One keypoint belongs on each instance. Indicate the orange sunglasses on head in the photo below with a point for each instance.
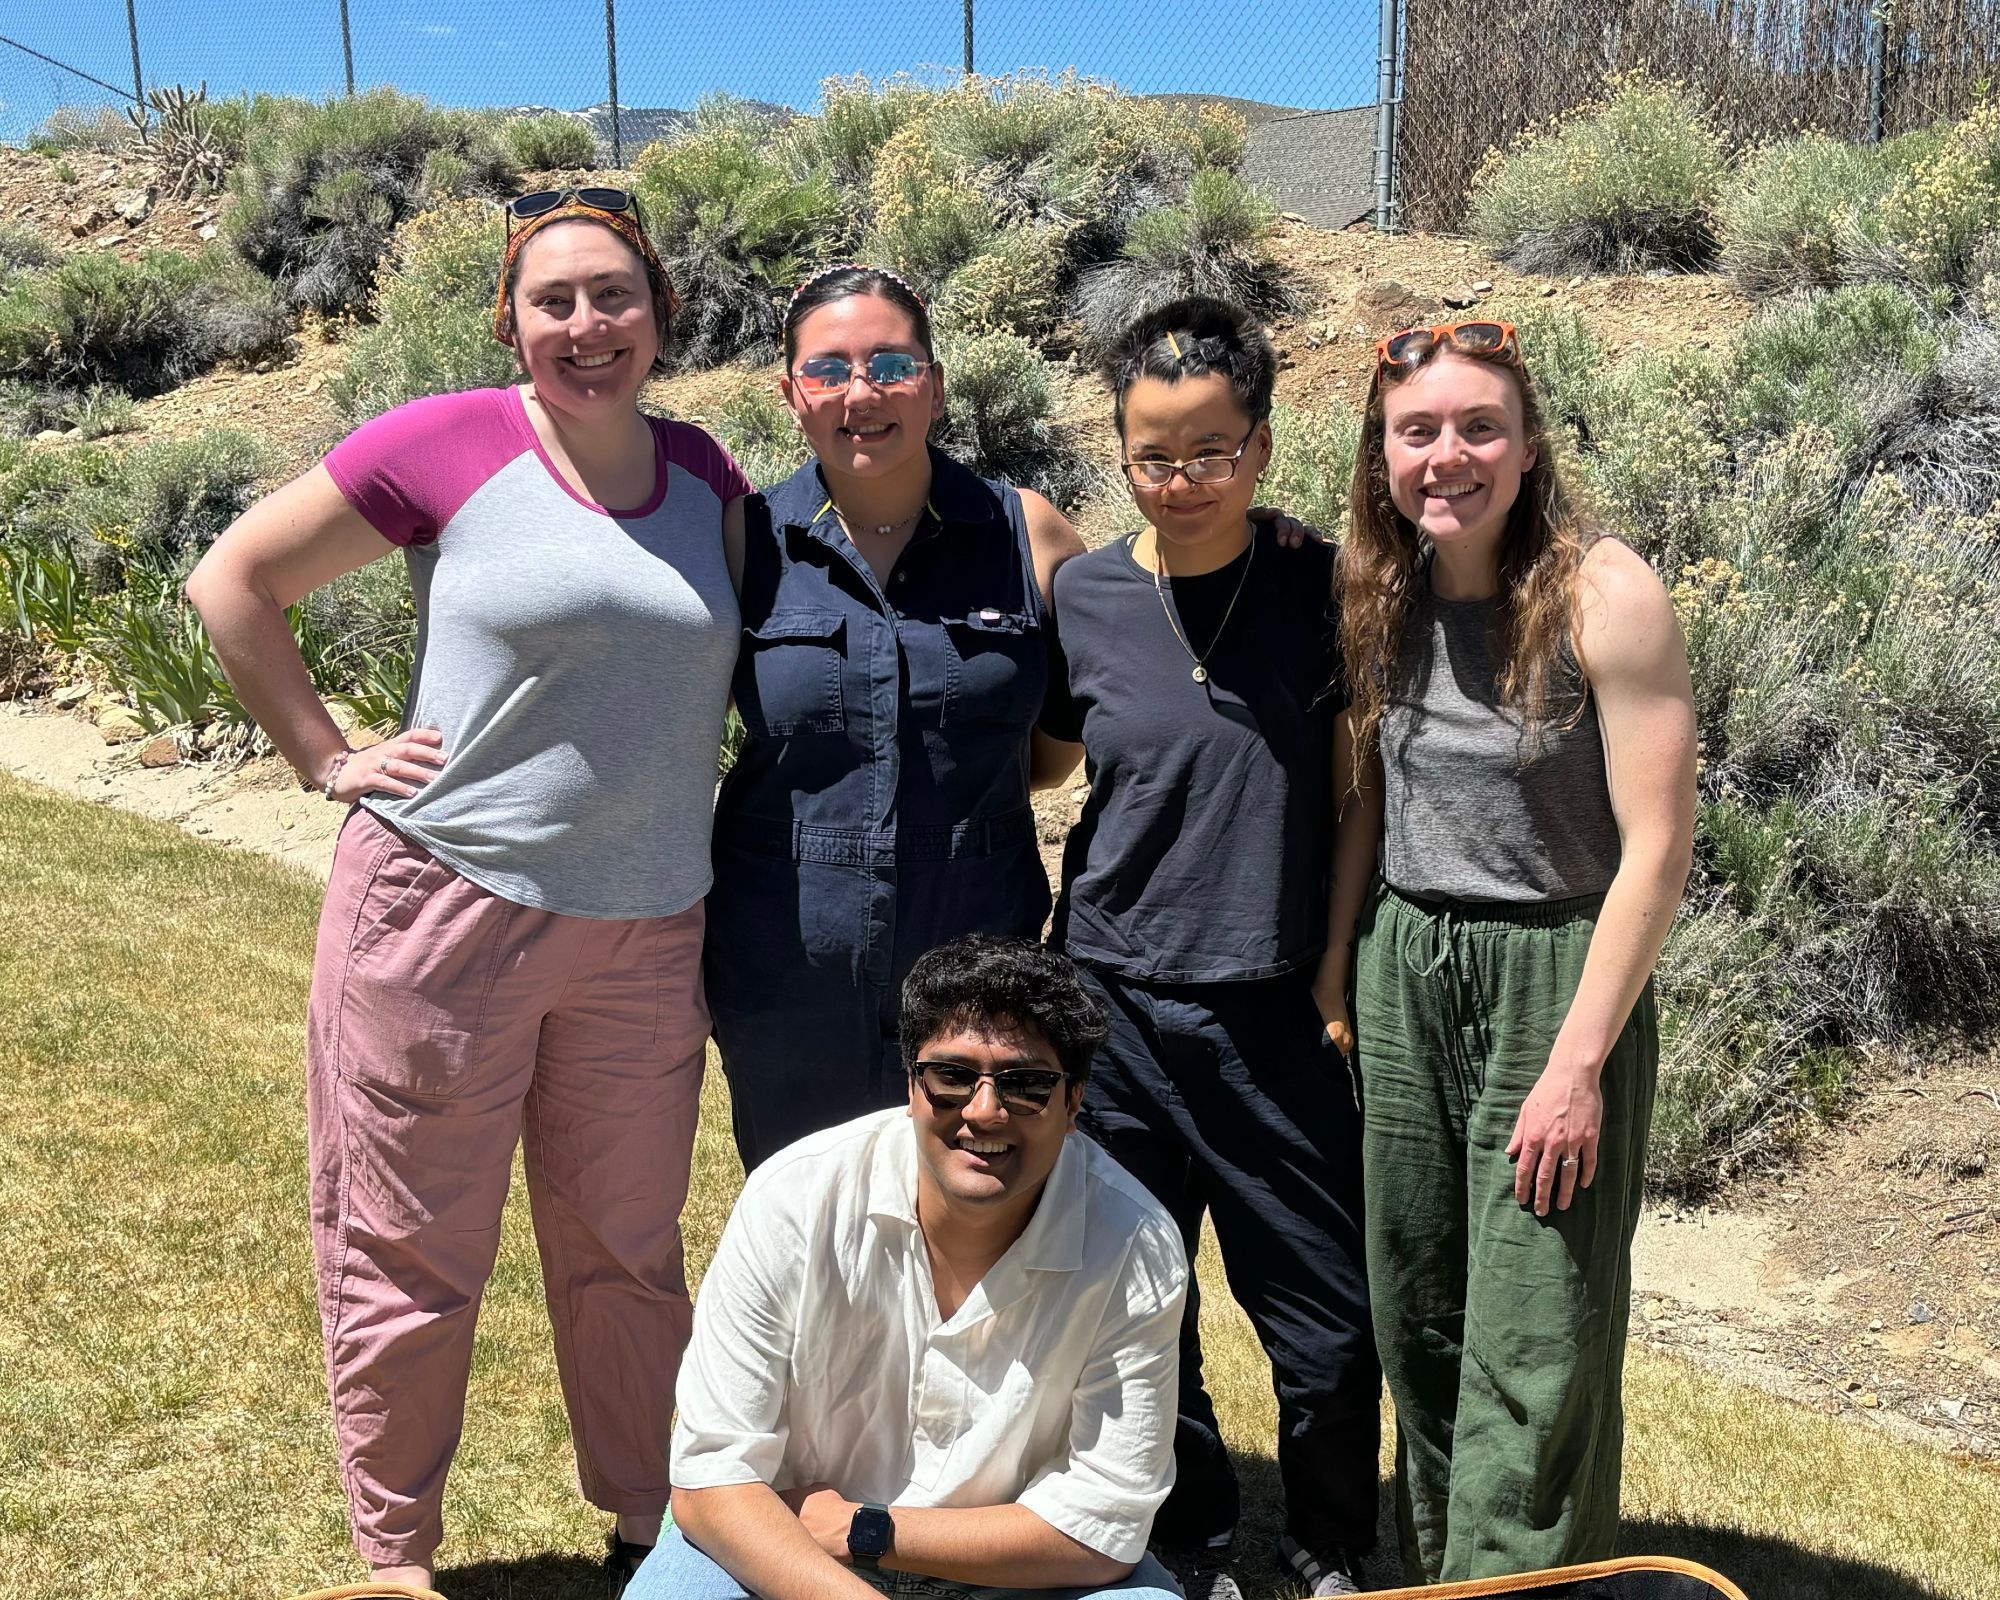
(1413, 345)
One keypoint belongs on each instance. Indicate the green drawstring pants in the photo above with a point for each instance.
(1502, 1334)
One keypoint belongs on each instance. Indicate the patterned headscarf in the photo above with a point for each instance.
(623, 223)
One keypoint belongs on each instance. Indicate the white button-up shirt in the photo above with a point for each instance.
(819, 1357)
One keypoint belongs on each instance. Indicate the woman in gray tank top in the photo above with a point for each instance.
(1525, 742)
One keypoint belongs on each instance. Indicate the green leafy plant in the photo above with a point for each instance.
(999, 403)
(1215, 243)
(1789, 215)
(736, 229)
(549, 140)
(434, 315)
(156, 652)
(321, 187)
(142, 325)
(758, 432)
(1624, 183)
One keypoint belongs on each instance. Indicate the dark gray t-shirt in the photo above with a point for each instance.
(576, 659)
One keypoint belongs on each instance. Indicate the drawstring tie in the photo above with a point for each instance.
(1441, 928)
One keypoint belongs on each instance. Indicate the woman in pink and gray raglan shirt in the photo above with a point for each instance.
(511, 943)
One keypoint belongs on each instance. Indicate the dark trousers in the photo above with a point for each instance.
(1226, 1098)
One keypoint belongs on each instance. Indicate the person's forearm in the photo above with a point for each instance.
(754, 1536)
(1357, 844)
(1051, 761)
(1004, 1547)
(1631, 930)
(254, 644)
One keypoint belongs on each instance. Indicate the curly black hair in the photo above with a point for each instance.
(1190, 338)
(980, 982)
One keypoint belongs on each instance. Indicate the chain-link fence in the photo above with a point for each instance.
(1474, 76)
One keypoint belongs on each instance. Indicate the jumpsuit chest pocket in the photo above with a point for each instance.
(996, 669)
(788, 679)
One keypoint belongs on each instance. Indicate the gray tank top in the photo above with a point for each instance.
(1466, 817)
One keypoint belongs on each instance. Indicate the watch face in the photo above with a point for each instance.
(868, 1534)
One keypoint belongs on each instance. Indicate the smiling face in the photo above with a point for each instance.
(863, 430)
(1455, 440)
(1193, 418)
(983, 1154)
(583, 318)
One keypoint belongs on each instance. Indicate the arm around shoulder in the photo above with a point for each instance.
(1051, 540)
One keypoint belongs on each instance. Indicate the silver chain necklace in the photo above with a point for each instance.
(1200, 673)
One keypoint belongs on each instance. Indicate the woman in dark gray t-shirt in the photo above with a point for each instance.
(1523, 718)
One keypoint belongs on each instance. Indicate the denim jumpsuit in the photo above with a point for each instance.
(879, 806)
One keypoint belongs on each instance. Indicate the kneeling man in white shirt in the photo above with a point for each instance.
(936, 1351)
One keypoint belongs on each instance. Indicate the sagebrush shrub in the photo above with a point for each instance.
(99, 128)
(433, 332)
(27, 409)
(143, 325)
(736, 230)
(321, 187)
(757, 429)
(1009, 287)
(23, 249)
(549, 140)
(1312, 464)
(1000, 396)
(1625, 183)
(1215, 243)
(1790, 213)
(856, 118)
(1938, 220)
(924, 222)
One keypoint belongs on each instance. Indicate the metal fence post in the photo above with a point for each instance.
(968, 38)
(1878, 69)
(132, 27)
(347, 49)
(1385, 122)
(611, 71)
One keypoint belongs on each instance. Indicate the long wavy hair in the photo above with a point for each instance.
(1382, 564)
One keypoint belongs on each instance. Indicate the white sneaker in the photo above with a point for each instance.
(1206, 1572)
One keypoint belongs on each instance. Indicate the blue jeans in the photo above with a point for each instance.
(677, 1571)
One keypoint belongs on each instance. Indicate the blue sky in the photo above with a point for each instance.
(1313, 53)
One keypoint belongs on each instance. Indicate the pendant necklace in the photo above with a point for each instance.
(1200, 673)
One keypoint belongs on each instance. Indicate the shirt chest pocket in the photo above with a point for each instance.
(996, 670)
(788, 680)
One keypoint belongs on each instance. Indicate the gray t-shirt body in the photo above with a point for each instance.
(1469, 814)
(576, 660)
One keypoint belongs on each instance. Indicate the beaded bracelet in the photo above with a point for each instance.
(333, 773)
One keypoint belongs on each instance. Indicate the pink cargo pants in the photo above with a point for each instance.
(446, 1024)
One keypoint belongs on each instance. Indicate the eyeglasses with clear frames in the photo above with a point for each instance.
(1202, 469)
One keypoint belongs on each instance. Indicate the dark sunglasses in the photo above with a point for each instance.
(886, 369)
(950, 1087)
(539, 204)
(1410, 347)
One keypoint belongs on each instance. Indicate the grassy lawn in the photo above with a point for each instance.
(163, 1425)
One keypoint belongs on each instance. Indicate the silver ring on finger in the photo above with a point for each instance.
(1568, 1161)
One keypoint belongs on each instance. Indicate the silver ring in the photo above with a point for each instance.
(1568, 1161)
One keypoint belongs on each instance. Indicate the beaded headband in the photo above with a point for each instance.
(622, 223)
(852, 266)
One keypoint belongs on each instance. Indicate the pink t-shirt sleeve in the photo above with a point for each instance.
(693, 450)
(409, 470)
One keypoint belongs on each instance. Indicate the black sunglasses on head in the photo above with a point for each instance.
(527, 207)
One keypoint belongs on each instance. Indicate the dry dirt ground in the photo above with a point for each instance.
(1866, 1283)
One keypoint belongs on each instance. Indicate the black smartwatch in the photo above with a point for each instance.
(869, 1536)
